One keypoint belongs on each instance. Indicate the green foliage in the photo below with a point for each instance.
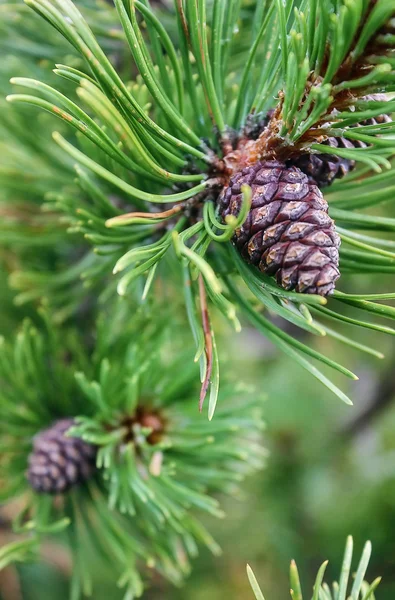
(360, 589)
(170, 125)
(124, 202)
(23, 35)
(336, 49)
(138, 512)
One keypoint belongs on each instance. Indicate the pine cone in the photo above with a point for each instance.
(58, 462)
(385, 118)
(288, 231)
(325, 168)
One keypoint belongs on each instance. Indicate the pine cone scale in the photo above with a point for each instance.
(263, 193)
(264, 216)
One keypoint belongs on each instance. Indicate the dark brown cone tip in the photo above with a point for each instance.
(325, 168)
(58, 462)
(288, 232)
(384, 118)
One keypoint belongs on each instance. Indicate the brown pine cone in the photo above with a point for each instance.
(58, 462)
(325, 168)
(288, 231)
(385, 118)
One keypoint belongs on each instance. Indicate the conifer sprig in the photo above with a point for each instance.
(157, 467)
(333, 57)
(165, 144)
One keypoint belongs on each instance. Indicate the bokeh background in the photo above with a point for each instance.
(331, 469)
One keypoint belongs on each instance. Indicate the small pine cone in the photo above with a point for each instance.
(58, 462)
(385, 118)
(325, 168)
(288, 231)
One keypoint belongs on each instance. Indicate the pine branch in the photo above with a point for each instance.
(157, 468)
(153, 146)
(212, 96)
